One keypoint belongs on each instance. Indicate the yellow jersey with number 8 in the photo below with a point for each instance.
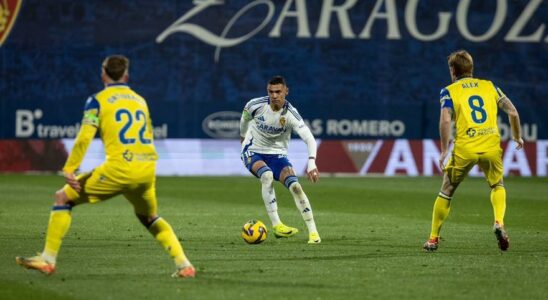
(475, 107)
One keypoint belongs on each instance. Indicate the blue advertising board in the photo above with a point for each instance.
(355, 69)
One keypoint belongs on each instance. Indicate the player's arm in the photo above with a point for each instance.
(446, 112)
(445, 133)
(513, 117)
(244, 123)
(306, 135)
(90, 122)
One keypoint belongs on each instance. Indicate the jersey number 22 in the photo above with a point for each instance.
(139, 117)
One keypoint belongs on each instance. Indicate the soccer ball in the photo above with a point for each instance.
(254, 232)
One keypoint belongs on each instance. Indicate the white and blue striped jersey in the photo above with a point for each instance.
(266, 131)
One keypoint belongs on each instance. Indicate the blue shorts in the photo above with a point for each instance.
(276, 162)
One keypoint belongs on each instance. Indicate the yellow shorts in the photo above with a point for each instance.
(489, 162)
(98, 186)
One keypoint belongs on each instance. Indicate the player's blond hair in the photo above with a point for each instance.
(116, 66)
(461, 63)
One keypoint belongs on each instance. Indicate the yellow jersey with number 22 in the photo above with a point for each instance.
(122, 118)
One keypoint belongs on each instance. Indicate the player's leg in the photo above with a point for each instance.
(491, 165)
(440, 212)
(261, 170)
(256, 165)
(498, 200)
(58, 225)
(143, 199)
(289, 179)
(456, 170)
(261, 165)
(59, 222)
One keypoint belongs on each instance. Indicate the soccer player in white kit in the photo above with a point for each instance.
(265, 130)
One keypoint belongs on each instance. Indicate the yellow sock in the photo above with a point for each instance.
(59, 223)
(162, 231)
(440, 213)
(498, 200)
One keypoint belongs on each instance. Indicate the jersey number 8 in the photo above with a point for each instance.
(477, 109)
(139, 116)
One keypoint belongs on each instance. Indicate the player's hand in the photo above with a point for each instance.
(313, 175)
(519, 143)
(443, 156)
(71, 180)
(312, 171)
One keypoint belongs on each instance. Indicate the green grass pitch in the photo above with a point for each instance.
(372, 231)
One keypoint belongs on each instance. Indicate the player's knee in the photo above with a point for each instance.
(290, 181)
(147, 220)
(448, 191)
(296, 188)
(267, 178)
(448, 188)
(497, 186)
(60, 197)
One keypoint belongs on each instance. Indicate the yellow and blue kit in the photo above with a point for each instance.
(122, 118)
(477, 139)
(475, 106)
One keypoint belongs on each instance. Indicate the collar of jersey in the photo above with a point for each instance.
(117, 84)
(462, 78)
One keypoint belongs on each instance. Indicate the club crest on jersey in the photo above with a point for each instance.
(9, 9)
(282, 121)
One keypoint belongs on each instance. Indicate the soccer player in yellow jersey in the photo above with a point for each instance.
(473, 103)
(122, 118)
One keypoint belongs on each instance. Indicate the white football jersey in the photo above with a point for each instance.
(269, 131)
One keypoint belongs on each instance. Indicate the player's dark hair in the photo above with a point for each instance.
(115, 66)
(277, 80)
(461, 62)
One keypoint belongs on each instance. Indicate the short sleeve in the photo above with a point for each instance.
(296, 121)
(445, 99)
(500, 94)
(91, 112)
(246, 115)
(253, 106)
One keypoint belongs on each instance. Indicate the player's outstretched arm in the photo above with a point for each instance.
(84, 138)
(311, 170)
(513, 117)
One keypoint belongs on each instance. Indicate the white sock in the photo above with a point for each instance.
(184, 264)
(49, 258)
(269, 197)
(303, 205)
